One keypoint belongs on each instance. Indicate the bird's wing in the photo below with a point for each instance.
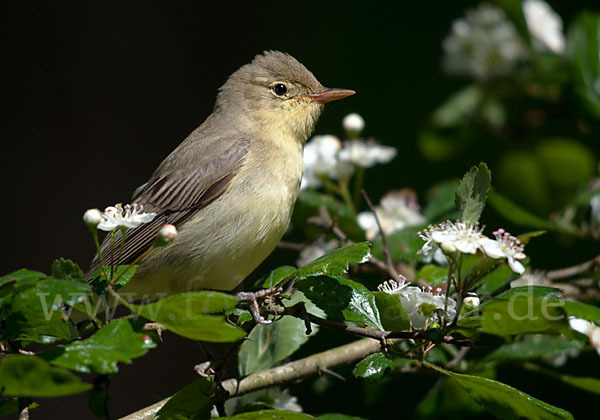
(175, 196)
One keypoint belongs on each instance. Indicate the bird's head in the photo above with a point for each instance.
(275, 91)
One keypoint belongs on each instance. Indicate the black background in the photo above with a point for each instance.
(96, 94)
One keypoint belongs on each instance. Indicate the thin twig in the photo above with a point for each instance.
(386, 249)
(567, 272)
(290, 372)
(459, 356)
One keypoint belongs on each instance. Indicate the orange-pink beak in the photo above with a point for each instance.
(329, 94)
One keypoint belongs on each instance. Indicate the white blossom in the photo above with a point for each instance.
(587, 328)
(505, 246)
(316, 250)
(92, 217)
(484, 44)
(366, 153)
(129, 216)
(321, 158)
(412, 298)
(545, 26)
(471, 301)
(465, 237)
(397, 210)
(353, 124)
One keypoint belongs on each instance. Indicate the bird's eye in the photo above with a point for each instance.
(280, 89)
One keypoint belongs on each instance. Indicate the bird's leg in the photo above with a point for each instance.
(252, 299)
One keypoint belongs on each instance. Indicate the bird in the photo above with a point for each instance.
(230, 186)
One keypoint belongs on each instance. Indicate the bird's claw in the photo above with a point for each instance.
(252, 299)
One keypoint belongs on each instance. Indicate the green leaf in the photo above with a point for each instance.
(537, 346)
(531, 292)
(517, 214)
(502, 400)
(115, 342)
(521, 315)
(583, 43)
(494, 280)
(586, 383)
(433, 274)
(190, 402)
(336, 262)
(403, 244)
(268, 345)
(392, 313)
(471, 193)
(30, 376)
(327, 294)
(36, 310)
(524, 238)
(581, 310)
(124, 273)
(271, 415)
(373, 367)
(184, 314)
(276, 276)
(440, 200)
(67, 270)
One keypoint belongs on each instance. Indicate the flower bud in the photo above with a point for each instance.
(166, 235)
(92, 217)
(471, 301)
(448, 247)
(353, 124)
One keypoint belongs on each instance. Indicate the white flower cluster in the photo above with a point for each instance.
(128, 216)
(418, 302)
(545, 26)
(588, 328)
(397, 210)
(468, 239)
(326, 155)
(484, 44)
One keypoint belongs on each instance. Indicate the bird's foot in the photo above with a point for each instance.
(204, 369)
(253, 297)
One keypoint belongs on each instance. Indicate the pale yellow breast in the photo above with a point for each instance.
(229, 238)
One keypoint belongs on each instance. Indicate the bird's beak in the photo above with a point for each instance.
(329, 94)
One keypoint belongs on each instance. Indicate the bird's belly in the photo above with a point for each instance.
(222, 244)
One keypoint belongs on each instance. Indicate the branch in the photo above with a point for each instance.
(564, 273)
(290, 372)
(299, 311)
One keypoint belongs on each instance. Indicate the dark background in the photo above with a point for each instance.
(98, 93)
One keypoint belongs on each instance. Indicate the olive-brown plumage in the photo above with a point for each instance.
(231, 185)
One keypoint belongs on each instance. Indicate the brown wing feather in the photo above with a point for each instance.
(174, 197)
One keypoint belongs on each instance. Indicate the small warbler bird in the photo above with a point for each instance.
(230, 186)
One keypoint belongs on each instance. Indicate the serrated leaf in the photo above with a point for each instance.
(537, 346)
(531, 292)
(123, 274)
(520, 315)
(373, 367)
(276, 276)
(471, 193)
(336, 262)
(67, 270)
(493, 281)
(337, 416)
(502, 400)
(271, 415)
(392, 313)
(115, 342)
(184, 314)
(31, 376)
(190, 402)
(268, 345)
(327, 294)
(36, 310)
